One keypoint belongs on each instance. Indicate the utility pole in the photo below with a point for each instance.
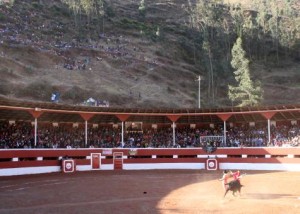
(199, 94)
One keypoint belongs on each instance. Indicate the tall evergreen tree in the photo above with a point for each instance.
(246, 93)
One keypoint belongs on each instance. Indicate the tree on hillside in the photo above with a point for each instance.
(274, 23)
(289, 26)
(91, 8)
(246, 93)
(207, 17)
(207, 48)
(237, 18)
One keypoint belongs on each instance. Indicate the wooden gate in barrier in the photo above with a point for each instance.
(96, 161)
(118, 160)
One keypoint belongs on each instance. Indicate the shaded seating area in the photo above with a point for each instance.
(51, 125)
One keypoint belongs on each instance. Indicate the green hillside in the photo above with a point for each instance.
(147, 54)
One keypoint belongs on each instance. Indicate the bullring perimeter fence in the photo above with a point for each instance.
(34, 161)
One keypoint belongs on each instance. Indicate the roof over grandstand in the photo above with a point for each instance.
(56, 112)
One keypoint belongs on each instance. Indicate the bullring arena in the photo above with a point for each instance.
(147, 180)
(149, 191)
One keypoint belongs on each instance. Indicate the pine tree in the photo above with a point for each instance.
(246, 93)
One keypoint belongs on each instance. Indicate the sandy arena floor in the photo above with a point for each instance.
(149, 191)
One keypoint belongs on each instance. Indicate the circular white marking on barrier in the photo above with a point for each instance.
(68, 166)
(211, 164)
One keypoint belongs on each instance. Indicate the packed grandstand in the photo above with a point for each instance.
(20, 134)
(48, 125)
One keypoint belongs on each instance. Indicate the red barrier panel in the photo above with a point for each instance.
(212, 164)
(68, 166)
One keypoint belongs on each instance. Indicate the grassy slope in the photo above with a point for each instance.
(145, 79)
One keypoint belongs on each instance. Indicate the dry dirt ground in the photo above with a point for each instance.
(149, 191)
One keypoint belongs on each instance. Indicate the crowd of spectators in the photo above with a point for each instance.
(20, 134)
(28, 29)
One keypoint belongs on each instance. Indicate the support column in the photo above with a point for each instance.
(36, 113)
(174, 137)
(268, 116)
(86, 133)
(123, 118)
(86, 117)
(224, 117)
(122, 135)
(269, 131)
(174, 118)
(35, 131)
(224, 143)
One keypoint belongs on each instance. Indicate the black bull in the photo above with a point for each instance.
(233, 186)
